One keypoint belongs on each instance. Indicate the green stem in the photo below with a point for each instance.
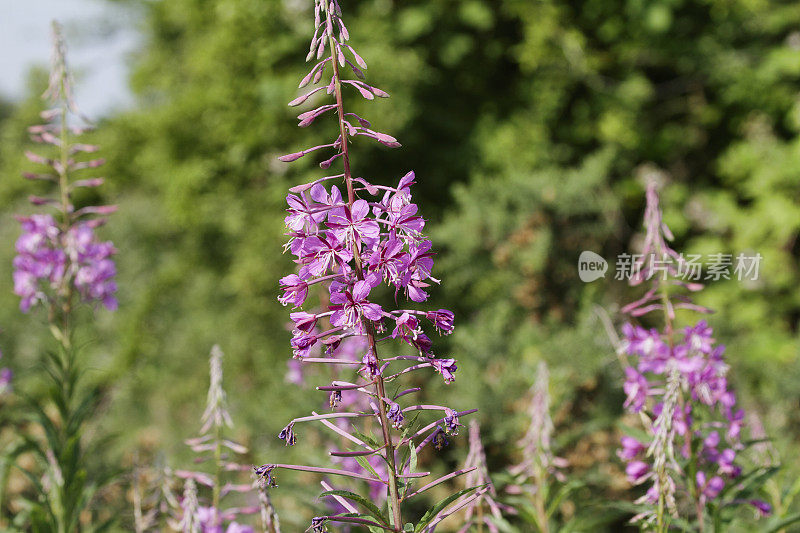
(539, 500)
(216, 491)
(61, 327)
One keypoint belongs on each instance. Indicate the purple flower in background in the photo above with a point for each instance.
(207, 513)
(630, 448)
(636, 388)
(637, 471)
(56, 258)
(6, 375)
(478, 476)
(675, 379)
(49, 262)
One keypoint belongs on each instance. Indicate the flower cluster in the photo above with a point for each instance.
(48, 259)
(701, 374)
(677, 382)
(59, 258)
(352, 247)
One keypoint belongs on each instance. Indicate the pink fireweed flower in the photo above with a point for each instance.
(442, 320)
(57, 258)
(48, 260)
(673, 379)
(295, 290)
(351, 224)
(350, 242)
(351, 306)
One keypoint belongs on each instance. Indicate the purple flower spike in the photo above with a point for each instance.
(676, 379)
(49, 261)
(351, 241)
(61, 256)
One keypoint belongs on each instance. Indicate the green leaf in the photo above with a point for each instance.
(787, 521)
(562, 493)
(371, 508)
(366, 438)
(434, 511)
(365, 464)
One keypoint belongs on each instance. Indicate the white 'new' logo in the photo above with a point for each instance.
(591, 266)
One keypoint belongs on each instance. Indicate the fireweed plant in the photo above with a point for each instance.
(538, 485)
(60, 264)
(675, 379)
(485, 510)
(348, 246)
(193, 512)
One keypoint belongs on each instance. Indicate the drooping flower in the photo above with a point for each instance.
(6, 375)
(446, 367)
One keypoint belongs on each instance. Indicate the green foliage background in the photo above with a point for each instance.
(531, 127)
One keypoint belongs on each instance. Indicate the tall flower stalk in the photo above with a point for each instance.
(195, 514)
(485, 511)
(536, 474)
(676, 380)
(348, 247)
(59, 264)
